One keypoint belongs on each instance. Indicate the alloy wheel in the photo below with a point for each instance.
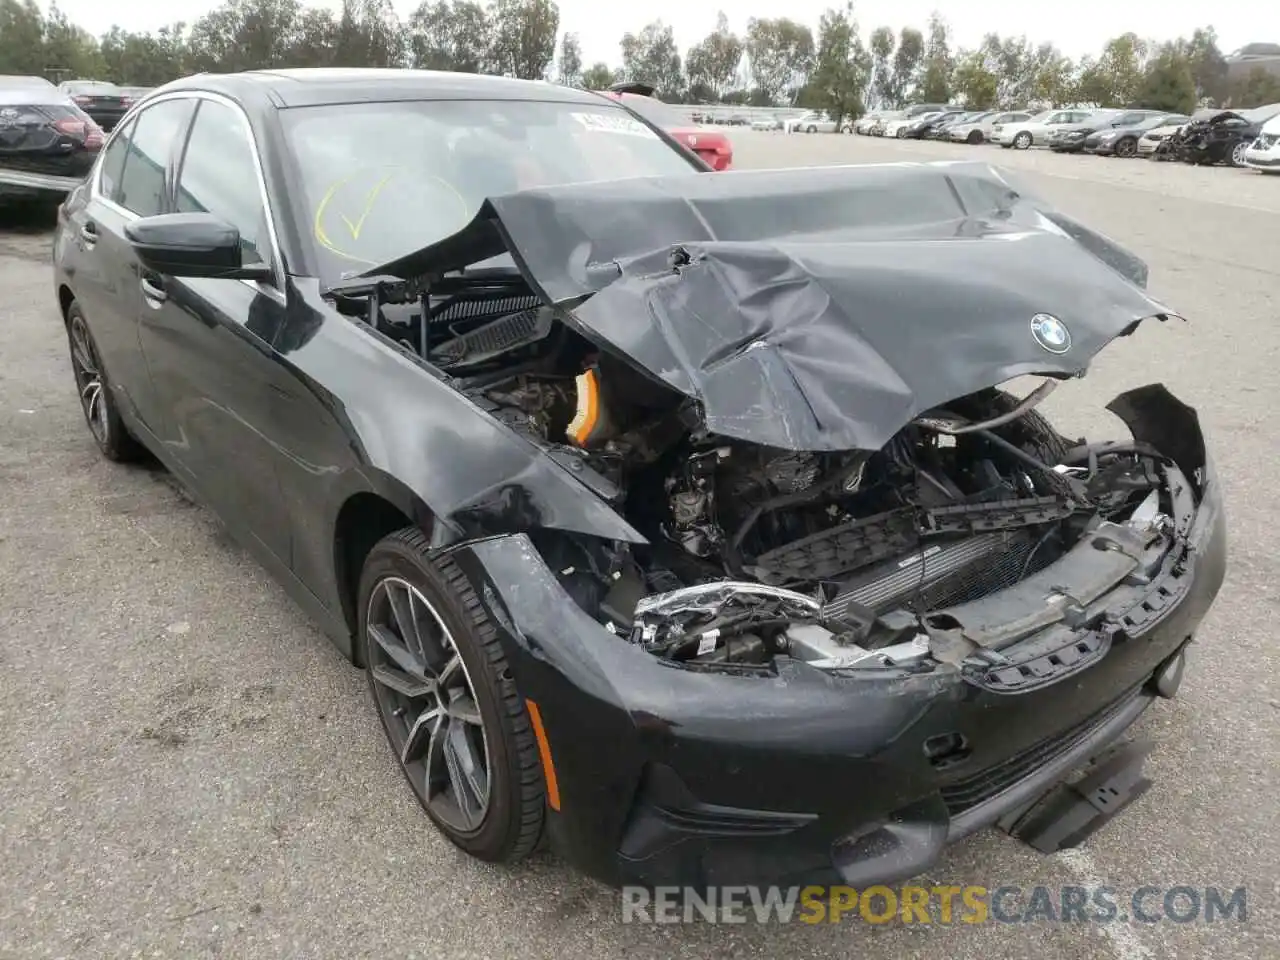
(1022, 141)
(1238, 152)
(1126, 148)
(429, 704)
(88, 373)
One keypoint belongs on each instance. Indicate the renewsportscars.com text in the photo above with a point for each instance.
(935, 905)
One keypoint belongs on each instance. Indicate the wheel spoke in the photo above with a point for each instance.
(464, 708)
(402, 683)
(418, 742)
(467, 778)
(450, 673)
(397, 651)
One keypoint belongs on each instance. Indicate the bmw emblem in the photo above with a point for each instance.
(1051, 333)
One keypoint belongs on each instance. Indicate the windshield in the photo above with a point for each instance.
(381, 180)
(655, 111)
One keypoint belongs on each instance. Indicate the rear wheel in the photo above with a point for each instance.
(447, 701)
(96, 402)
(974, 138)
(811, 129)
(1237, 154)
(1126, 147)
(902, 133)
(1022, 141)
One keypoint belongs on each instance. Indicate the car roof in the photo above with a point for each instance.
(14, 81)
(31, 95)
(317, 86)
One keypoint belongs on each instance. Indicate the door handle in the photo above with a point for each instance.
(152, 291)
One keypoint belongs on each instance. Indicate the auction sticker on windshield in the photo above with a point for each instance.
(606, 123)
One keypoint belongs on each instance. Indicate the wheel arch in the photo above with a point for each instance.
(65, 299)
(364, 518)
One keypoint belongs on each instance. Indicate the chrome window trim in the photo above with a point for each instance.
(95, 182)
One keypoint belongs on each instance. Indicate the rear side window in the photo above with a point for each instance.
(220, 176)
(113, 163)
(155, 134)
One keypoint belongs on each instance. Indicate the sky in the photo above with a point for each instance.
(1077, 27)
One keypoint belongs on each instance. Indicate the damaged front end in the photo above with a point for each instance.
(862, 571)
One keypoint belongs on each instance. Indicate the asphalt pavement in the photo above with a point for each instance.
(189, 769)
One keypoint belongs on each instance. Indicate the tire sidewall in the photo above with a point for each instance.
(500, 826)
(113, 445)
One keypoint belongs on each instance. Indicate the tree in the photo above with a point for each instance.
(1054, 83)
(781, 55)
(1255, 90)
(1168, 83)
(449, 36)
(70, 48)
(569, 68)
(651, 57)
(935, 84)
(369, 35)
(882, 44)
(315, 39)
(244, 35)
(524, 37)
(906, 65)
(712, 62)
(1113, 79)
(842, 68)
(1207, 64)
(974, 81)
(21, 38)
(598, 76)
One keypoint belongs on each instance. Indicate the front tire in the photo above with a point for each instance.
(974, 138)
(448, 704)
(1238, 152)
(1022, 141)
(902, 133)
(1127, 147)
(96, 401)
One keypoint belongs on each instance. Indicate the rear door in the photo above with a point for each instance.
(207, 342)
(130, 182)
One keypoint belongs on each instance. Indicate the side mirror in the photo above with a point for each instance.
(192, 245)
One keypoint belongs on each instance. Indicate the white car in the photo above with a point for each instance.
(1027, 133)
(1264, 153)
(766, 123)
(1152, 139)
(898, 127)
(811, 122)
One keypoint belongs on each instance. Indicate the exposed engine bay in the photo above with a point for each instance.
(835, 558)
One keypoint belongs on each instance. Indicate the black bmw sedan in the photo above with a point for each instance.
(668, 529)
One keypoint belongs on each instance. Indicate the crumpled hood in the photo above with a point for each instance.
(818, 308)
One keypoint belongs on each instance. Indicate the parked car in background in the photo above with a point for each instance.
(1154, 144)
(1121, 140)
(766, 123)
(902, 126)
(876, 129)
(1023, 135)
(104, 101)
(923, 128)
(1224, 137)
(865, 122)
(980, 128)
(942, 131)
(711, 145)
(812, 122)
(1070, 137)
(12, 80)
(43, 132)
(916, 109)
(136, 93)
(1264, 153)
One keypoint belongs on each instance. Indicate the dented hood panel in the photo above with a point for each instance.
(820, 308)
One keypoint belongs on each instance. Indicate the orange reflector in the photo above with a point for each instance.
(544, 751)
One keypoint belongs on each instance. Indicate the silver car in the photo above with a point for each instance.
(981, 130)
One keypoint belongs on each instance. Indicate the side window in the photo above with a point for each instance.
(113, 163)
(220, 176)
(155, 133)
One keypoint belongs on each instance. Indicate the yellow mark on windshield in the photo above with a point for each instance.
(369, 199)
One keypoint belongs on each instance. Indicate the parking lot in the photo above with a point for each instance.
(188, 768)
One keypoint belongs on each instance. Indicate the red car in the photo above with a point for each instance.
(711, 145)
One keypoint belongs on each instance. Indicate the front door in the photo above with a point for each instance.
(207, 342)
